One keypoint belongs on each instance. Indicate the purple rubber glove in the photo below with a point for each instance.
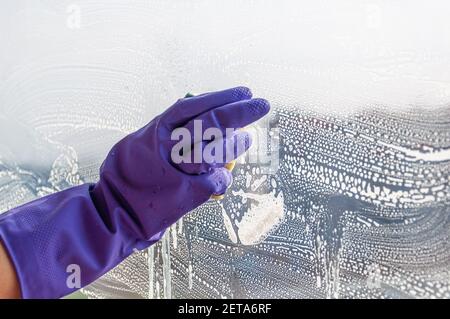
(141, 192)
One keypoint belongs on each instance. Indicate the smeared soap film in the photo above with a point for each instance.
(358, 208)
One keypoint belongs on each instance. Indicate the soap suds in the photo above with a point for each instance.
(261, 218)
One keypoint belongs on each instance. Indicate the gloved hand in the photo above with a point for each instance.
(141, 191)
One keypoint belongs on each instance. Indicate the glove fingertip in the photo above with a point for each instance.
(220, 179)
(260, 106)
(242, 93)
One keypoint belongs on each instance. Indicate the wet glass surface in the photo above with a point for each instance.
(356, 203)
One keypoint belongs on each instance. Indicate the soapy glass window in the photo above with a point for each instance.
(353, 198)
